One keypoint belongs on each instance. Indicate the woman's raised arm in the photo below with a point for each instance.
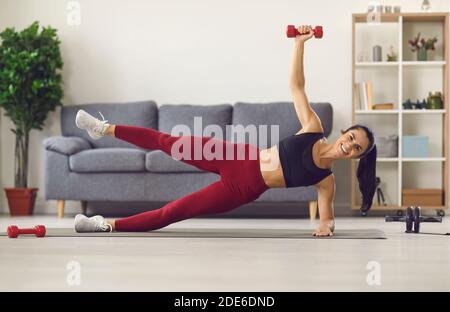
(306, 115)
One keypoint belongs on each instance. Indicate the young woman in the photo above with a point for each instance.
(303, 159)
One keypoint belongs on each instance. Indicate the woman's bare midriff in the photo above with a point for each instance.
(270, 165)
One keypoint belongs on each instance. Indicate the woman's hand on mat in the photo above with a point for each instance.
(307, 32)
(324, 229)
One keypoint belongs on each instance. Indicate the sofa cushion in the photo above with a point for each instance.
(66, 145)
(279, 113)
(158, 161)
(170, 116)
(108, 160)
(143, 114)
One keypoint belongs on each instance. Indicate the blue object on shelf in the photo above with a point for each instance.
(415, 146)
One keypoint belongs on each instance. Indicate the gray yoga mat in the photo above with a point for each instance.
(223, 233)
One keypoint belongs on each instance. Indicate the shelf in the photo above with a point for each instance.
(376, 111)
(424, 17)
(387, 207)
(429, 207)
(395, 207)
(423, 64)
(387, 159)
(422, 111)
(384, 17)
(407, 17)
(425, 159)
(409, 159)
(404, 63)
(376, 64)
(403, 111)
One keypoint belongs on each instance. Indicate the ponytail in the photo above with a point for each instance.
(366, 174)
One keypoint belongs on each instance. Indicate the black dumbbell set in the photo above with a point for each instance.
(413, 219)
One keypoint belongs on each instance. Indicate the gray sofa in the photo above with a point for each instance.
(79, 168)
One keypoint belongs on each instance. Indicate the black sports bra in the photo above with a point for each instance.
(297, 161)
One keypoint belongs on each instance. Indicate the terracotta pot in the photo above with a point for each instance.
(21, 200)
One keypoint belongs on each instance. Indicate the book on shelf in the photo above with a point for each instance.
(356, 96)
(369, 94)
(360, 96)
(383, 106)
(364, 95)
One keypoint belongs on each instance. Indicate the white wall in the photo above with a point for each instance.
(197, 52)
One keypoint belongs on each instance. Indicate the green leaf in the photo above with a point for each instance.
(35, 85)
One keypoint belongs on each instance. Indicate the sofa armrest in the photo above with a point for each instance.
(66, 145)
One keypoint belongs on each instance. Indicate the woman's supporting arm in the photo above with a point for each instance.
(326, 190)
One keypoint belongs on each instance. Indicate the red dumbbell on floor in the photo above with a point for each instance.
(292, 31)
(14, 231)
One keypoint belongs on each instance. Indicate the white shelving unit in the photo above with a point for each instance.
(397, 70)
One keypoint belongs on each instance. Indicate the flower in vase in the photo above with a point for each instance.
(418, 43)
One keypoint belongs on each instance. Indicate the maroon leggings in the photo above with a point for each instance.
(238, 166)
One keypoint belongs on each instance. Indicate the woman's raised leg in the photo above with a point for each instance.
(189, 149)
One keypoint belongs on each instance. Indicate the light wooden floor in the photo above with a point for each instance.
(406, 262)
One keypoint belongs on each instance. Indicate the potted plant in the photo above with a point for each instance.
(30, 87)
(421, 46)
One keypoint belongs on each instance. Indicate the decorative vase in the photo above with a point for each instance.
(376, 53)
(21, 200)
(435, 100)
(421, 55)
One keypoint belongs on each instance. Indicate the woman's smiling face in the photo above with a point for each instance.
(351, 144)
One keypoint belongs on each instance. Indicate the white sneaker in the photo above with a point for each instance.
(95, 127)
(93, 224)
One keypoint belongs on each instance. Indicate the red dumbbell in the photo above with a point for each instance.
(14, 231)
(292, 31)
